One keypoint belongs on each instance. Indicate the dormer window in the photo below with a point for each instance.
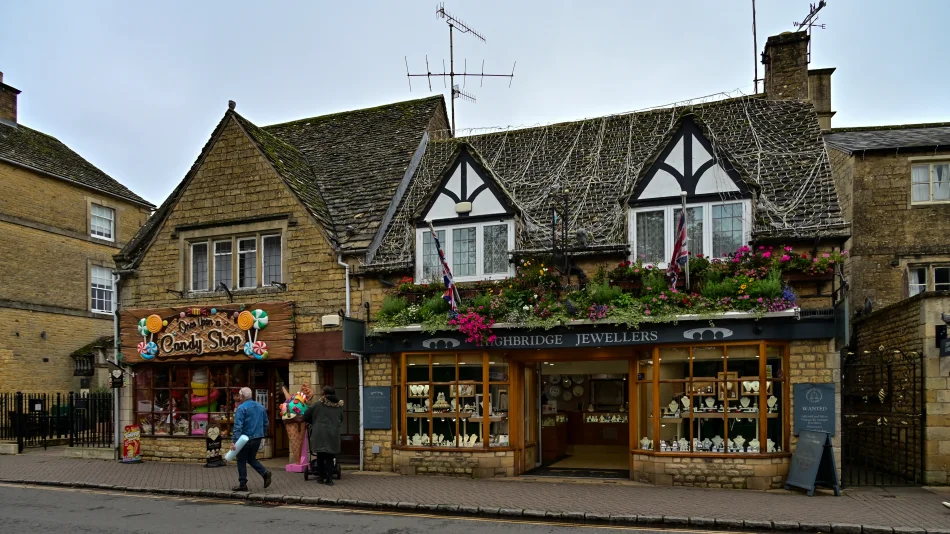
(474, 252)
(474, 222)
(718, 204)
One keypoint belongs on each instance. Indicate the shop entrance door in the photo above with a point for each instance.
(579, 412)
(344, 377)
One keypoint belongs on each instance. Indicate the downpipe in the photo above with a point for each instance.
(116, 281)
(359, 358)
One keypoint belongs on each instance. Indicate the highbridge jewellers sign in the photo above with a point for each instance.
(588, 336)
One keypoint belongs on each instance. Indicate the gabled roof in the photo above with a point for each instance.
(37, 151)
(870, 138)
(775, 146)
(344, 168)
(358, 159)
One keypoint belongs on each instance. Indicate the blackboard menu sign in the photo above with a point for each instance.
(213, 447)
(815, 408)
(377, 408)
(813, 463)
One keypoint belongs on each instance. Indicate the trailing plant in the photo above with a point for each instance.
(476, 328)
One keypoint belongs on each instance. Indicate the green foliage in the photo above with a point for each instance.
(392, 306)
(654, 282)
(434, 306)
(717, 289)
(769, 287)
(603, 293)
(482, 301)
(623, 300)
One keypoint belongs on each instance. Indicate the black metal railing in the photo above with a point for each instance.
(36, 419)
(91, 418)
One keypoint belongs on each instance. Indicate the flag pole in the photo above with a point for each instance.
(686, 242)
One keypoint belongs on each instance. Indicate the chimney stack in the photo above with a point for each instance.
(819, 92)
(787, 76)
(786, 66)
(8, 96)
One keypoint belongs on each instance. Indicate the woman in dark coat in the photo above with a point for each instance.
(325, 417)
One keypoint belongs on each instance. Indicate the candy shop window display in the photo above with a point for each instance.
(713, 399)
(183, 400)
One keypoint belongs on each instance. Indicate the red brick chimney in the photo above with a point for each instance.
(8, 97)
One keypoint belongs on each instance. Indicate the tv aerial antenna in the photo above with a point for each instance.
(811, 21)
(457, 92)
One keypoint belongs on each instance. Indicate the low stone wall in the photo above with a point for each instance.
(487, 464)
(737, 473)
(184, 450)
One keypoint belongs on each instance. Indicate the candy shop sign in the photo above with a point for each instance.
(199, 331)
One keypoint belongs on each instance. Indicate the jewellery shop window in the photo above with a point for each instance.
(454, 401)
(180, 400)
(715, 399)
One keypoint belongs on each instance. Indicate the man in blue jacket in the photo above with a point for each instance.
(250, 419)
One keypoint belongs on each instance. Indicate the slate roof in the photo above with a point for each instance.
(890, 137)
(29, 148)
(343, 167)
(775, 145)
(359, 158)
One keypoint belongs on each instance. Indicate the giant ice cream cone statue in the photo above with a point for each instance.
(291, 412)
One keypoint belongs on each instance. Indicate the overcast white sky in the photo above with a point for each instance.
(137, 88)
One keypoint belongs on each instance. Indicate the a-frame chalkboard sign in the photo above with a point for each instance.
(813, 463)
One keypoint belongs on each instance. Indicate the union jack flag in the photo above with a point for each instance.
(451, 293)
(680, 251)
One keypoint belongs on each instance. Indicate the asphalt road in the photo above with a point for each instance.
(26, 509)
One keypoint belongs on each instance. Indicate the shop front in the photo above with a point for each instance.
(690, 403)
(189, 364)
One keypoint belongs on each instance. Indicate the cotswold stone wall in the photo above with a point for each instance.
(377, 371)
(736, 473)
(815, 362)
(169, 449)
(487, 464)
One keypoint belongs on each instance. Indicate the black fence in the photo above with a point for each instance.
(37, 419)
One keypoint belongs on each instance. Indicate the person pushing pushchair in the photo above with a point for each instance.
(325, 417)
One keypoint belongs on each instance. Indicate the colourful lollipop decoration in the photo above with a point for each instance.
(143, 329)
(249, 349)
(260, 350)
(148, 327)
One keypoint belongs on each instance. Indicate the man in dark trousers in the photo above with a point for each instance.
(250, 419)
(325, 417)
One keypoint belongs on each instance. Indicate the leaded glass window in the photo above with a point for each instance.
(431, 267)
(496, 249)
(727, 234)
(464, 251)
(650, 236)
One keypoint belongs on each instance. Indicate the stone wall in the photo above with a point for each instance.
(236, 183)
(888, 233)
(487, 464)
(168, 449)
(815, 362)
(735, 473)
(23, 348)
(910, 326)
(377, 371)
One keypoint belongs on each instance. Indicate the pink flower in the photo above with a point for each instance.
(761, 247)
(767, 255)
(826, 255)
(646, 312)
(786, 258)
(788, 249)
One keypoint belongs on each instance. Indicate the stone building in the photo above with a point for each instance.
(62, 219)
(894, 186)
(301, 222)
(268, 218)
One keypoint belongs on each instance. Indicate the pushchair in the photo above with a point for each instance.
(311, 467)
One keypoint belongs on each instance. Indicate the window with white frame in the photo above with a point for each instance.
(247, 263)
(712, 229)
(102, 222)
(101, 289)
(199, 266)
(271, 262)
(930, 182)
(223, 264)
(475, 251)
(234, 261)
(921, 278)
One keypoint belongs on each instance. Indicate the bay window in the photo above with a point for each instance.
(712, 229)
(475, 251)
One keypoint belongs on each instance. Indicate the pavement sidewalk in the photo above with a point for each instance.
(857, 511)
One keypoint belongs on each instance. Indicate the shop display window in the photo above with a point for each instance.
(184, 400)
(713, 399)
(454, 401)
